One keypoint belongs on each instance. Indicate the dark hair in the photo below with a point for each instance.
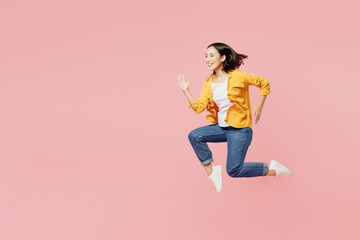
(233, 59)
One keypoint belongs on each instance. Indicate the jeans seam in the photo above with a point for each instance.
(246, 140)
(243, 146)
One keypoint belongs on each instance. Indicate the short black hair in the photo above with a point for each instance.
(233, 59)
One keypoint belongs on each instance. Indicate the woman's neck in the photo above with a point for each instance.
(220, 74)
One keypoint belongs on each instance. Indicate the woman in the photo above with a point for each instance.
(225, 94)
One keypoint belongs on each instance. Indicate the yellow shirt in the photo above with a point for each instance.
(239, 114)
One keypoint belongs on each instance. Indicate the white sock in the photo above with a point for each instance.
(215, 177)
(279, 169)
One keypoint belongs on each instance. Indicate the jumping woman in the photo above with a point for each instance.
(225, 94)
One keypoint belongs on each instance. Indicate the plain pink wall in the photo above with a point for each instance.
(94, 126)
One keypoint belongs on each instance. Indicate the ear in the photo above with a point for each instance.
(223, 57)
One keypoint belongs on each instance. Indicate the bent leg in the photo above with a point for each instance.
(239, 140)
(198, 138)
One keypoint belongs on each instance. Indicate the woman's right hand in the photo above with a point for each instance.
(183, 84)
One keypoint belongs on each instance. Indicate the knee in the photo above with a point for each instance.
(231, 172)
(235, 172)
(192, 136)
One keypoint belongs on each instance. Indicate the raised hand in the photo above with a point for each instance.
(183, 84)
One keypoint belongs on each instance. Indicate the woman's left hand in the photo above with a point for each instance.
(257, 113)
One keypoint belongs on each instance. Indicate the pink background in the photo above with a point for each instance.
(94, 126)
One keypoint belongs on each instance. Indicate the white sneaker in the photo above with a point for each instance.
(280, 169)
(215, 177)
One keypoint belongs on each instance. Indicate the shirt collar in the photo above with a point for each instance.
(230, 74)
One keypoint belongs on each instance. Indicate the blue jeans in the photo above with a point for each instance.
(238, 141)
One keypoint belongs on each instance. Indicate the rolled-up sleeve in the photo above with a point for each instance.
(199, 105)
(259, 82)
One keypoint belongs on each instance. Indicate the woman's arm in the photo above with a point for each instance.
(258, 109)
(259, 82)
(264, 86)
(189, 97)
(197, 105)
(262, 100)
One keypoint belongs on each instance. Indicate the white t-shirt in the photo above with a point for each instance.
(222, 101)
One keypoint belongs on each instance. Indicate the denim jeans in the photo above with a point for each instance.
(238, 141)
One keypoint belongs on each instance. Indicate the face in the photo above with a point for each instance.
(213, 59)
